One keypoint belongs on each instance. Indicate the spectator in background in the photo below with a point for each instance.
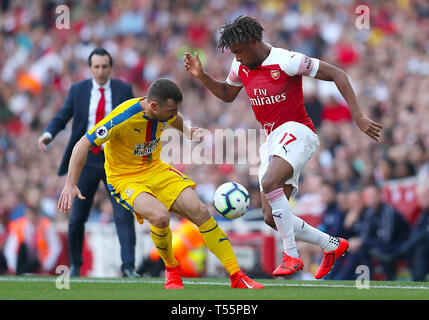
(346, 177)
(106, 212)
(384, 229)
(418, 243)
(352, 224)
(334, 111)
(333, 216)
(3, 236)
(33, 245)
(312, 102)
(353, 228)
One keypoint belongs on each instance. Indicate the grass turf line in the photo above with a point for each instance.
(36, 287)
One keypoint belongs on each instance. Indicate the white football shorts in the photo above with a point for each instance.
(294, 142)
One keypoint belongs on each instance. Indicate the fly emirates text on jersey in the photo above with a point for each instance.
(261, 98)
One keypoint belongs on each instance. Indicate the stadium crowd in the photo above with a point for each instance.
(388, 66)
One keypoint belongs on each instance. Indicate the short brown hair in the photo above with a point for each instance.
(163, 89)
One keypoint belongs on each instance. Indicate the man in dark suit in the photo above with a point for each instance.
(88, 102)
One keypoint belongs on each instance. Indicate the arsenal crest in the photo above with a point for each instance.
(275, 74)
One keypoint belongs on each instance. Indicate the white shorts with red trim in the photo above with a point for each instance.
(295, 143)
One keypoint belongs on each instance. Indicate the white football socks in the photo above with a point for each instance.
(307, 233)
(292, 227)
(283, 219)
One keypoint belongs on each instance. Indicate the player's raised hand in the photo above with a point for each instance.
(370, 127)
(193, 64)
(197, 134)
(67, 196)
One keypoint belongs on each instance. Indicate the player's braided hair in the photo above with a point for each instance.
(243, 29)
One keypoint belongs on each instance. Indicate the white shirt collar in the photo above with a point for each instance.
(271, 50)
(105, 86)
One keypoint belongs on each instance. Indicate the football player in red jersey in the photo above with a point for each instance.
(272, 78)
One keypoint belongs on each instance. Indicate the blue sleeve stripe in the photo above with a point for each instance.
(124, 115)
(121, 117)
(91, 139)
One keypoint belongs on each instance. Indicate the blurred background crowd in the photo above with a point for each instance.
(388, 66)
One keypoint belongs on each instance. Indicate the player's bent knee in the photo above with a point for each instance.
(199, 214)
(203, 209)
(160, 219)
(202, 215)
(270, 183)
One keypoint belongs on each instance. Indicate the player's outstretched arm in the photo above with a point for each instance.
(192, 133)
(77, 161)
(220, 89)
(329, 72)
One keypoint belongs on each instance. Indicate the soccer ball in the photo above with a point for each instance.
(231, 200)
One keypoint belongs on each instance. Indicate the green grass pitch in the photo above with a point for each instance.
(44, 288)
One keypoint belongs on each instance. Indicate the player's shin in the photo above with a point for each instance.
(163, 241)
(217, 242)
(307, 233)
(283, 219)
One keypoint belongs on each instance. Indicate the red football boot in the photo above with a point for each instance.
(288, 266)
(240, 281)
(330, 257)
(172, 278)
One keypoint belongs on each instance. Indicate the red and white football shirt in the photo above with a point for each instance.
(275, 87)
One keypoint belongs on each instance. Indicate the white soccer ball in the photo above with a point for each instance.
(231, 200)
